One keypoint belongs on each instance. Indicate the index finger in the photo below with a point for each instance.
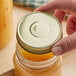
(47, 7)
(57, 4)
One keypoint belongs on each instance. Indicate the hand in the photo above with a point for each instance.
(61, 8)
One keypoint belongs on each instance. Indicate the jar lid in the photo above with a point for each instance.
(37, 32)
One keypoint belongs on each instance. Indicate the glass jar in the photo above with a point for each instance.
(36, 33)
(5, 22)
(35, 66)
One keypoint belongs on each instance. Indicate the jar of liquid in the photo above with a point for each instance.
(5, 22)
(36, 34)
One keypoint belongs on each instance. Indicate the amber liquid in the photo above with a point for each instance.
(5, 22)
(36, 57)
(52, 70)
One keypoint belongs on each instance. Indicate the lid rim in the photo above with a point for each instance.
(36, 50)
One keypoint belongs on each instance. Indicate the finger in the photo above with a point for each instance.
(67, 12)
(71, 24)
(65, 45)
(57, 4)
(59, 14)
(47, 7)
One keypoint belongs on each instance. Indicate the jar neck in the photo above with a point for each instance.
(42, 65)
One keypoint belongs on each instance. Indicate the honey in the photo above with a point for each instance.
(5, 22)
(36, 57)
(38, 66)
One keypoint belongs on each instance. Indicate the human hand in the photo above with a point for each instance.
(62, 7)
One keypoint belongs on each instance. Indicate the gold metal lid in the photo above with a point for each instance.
(37, 32)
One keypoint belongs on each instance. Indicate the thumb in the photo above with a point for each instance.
(65, 45)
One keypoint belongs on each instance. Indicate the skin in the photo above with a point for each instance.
(62, 7)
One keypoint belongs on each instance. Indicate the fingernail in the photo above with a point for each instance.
(57, 50)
